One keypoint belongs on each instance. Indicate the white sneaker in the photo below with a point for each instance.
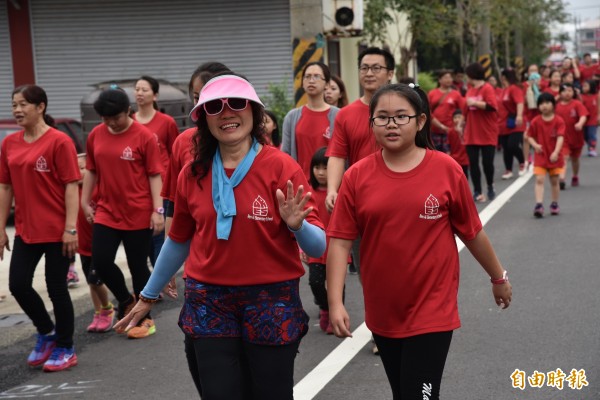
(523, 169)
(507, 175)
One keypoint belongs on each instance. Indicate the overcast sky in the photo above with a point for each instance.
(583, 9)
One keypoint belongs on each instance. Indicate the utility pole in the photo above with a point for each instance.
(484, 45)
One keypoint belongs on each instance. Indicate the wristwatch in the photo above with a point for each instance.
(71, 231)
(159, 210)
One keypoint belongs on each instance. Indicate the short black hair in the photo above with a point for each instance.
(390, 64)
(475, 71)
(546, 97)
(564, 86)
(112, 102)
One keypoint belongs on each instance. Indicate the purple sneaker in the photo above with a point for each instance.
(554, 208)
(44, 346)
(538, 211)
(60, 359)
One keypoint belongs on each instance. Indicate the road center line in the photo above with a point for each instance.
(335, 361)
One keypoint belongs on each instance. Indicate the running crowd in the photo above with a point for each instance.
(333, 182)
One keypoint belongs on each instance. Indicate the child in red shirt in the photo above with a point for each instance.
(411, 196)
(546, 136)
(591, 101)
(457, 145)
(575, 115)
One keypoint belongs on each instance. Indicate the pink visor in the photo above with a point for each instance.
(224, 87)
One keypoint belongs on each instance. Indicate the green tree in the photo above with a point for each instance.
(430, 21)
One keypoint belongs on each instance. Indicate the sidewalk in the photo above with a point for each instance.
(9, 306)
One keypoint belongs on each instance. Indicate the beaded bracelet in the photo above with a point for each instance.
(147, 300)
(500, 281)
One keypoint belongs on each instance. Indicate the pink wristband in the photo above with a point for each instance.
(500, 281)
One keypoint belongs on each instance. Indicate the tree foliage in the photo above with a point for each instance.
(444, 28)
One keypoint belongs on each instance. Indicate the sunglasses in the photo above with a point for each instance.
(215, 107)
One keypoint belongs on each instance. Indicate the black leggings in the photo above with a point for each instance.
(487, 159)
(105, 243)
(414, 365)
(317, 276)
(24, 260)
(512, 148)
(231, 369)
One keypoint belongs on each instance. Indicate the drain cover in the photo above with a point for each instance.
(8, 320)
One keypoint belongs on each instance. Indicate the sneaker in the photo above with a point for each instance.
(123, 310)
(106, 320)
(554, 208)
(72, 277)
(323, 320)
(60, 359)
(93, 327)
(562, 185)
(491, 192)
(522, 169)
(144, 329)
(479, 198)
(507, 175)
(575, 181)
(43, 348)
(538, 211)
(592, 153)
(352, 269)
(329, 329)
(375, 350)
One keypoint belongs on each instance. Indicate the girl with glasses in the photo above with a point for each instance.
(241, 211)
(309, 127)
(406, 201)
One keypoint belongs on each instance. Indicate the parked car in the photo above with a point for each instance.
(69, 126)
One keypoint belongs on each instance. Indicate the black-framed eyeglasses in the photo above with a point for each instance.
(398, 120)
(315, 77)
(215, 107)
(375, 68)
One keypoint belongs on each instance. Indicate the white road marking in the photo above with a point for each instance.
(335, 361)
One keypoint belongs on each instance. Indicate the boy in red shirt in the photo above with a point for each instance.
(546, 136)
(457, 145)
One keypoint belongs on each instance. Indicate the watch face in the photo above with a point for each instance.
(160, 210)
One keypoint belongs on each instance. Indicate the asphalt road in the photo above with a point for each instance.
(553, 323)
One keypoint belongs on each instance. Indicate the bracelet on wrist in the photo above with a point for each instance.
(500, 281)
(147, 300)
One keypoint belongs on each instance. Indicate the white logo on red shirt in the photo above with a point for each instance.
(41, 165)
(260, 210)
(128, 154)
(327, 134)
(432, 208)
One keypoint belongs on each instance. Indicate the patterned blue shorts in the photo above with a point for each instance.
(270, 314)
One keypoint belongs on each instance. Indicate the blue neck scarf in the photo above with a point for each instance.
(222, 189)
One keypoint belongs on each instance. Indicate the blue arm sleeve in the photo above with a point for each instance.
(171, 257)
(311, 239)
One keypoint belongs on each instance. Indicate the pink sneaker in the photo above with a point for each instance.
(323, 320)
(93, 327)
(105, 320)
(329, 329)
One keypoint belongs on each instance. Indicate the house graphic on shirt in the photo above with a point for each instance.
(260, 207)
(432, 205)
(41, 165)
(127, 154)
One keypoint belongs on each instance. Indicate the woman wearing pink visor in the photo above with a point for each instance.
(240, 213)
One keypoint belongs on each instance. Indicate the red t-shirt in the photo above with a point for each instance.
(319, 194)
(544, 83)
(482, 126)
(555, 93)
(458, 150)
(511, 97)
(38, 173)
(260, 249)
(123, 163)
(409, 260)
(588, 72)
(352, 138)
(312, 133)
(84, 228)
(590, 102)
(546, 133)
(181, 154)
(502, 112)
(444, 110)
(570, 113)
(165, 131)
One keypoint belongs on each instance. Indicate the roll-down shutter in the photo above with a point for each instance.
(77, 43)
(6, 71)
